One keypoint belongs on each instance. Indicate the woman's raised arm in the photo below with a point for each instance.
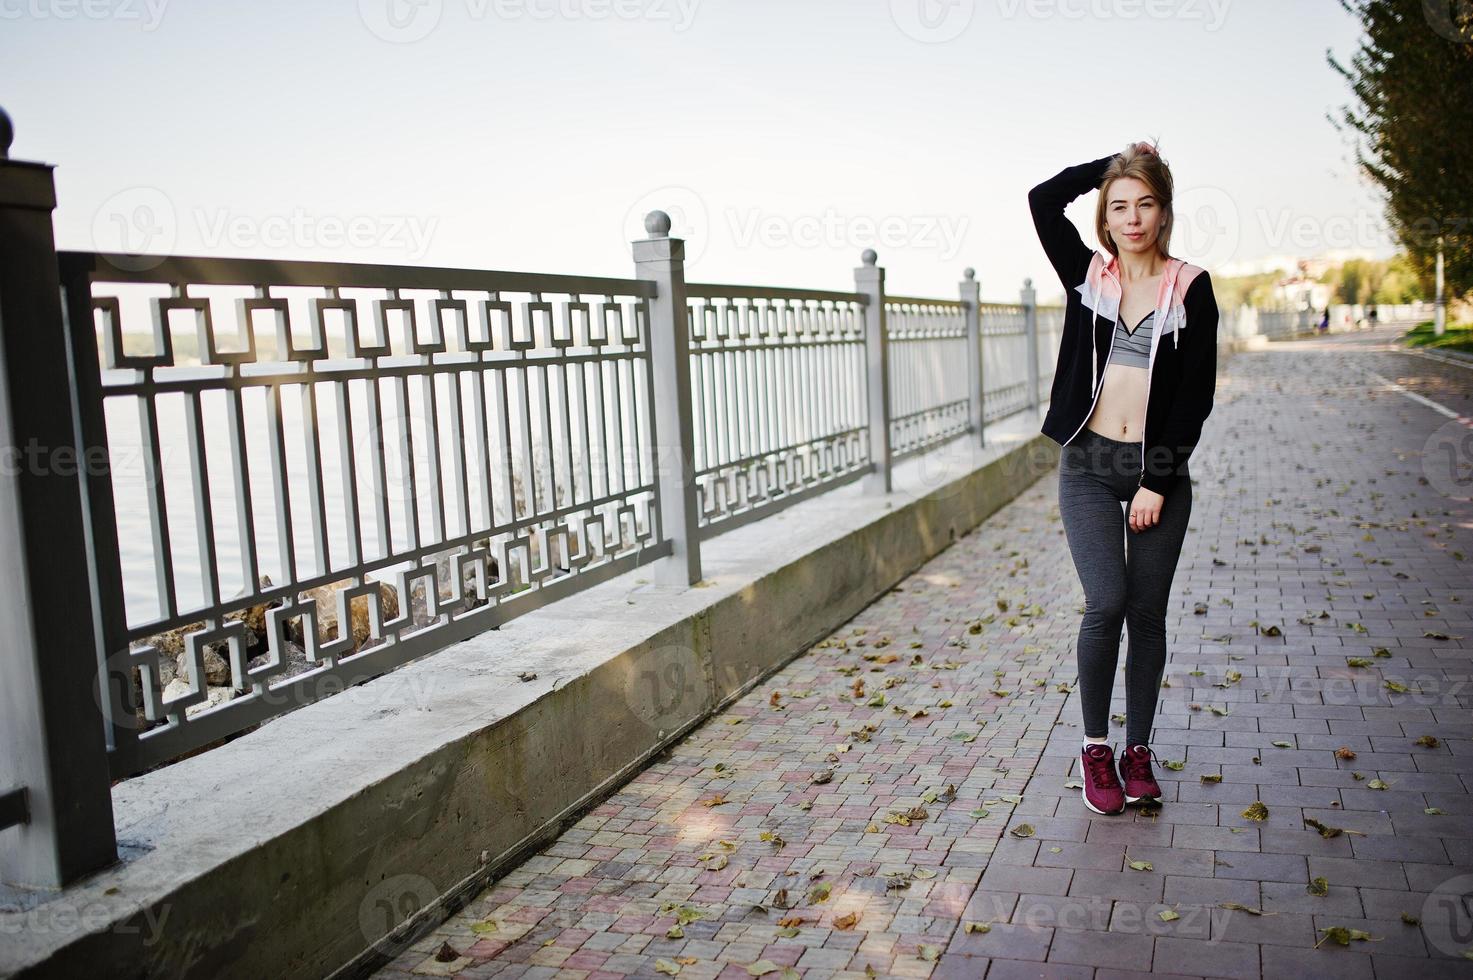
(1061, 242)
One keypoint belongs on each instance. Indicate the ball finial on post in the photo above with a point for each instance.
(869, 257)
(969, 273)
(657, 224)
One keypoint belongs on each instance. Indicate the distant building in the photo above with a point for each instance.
(1296, 292)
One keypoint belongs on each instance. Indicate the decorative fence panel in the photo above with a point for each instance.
(929, 387)
(1050, 320)
(1005, 369)
(422, 453)
(778, 398)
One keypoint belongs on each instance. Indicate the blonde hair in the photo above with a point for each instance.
(1151, 170)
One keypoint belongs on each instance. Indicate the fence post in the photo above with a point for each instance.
(869, 279)
(972, 310)
(1030, 319)
(661, 259)
(56, 818)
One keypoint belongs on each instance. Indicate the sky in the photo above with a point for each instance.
(783, 136)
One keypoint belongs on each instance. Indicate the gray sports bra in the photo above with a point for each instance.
(1133, 348)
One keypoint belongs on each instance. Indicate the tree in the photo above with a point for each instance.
(1412, 126)
(1353, 281)
(1400, 285)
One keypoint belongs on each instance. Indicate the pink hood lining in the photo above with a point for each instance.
(1101, 292)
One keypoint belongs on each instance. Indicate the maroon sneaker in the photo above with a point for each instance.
(1135, 770)
(1101, 791)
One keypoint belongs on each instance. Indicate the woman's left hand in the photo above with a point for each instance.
(1145, 509)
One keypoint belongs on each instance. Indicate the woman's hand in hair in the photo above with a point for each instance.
(1145, 509)
(1144, 147)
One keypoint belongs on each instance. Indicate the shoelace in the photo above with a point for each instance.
(1101, 769)
(1138, 766)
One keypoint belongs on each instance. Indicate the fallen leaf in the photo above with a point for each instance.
(1325, 832)
(1243, 908)
(1342, 935)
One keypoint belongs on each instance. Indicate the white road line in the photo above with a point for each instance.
(1421, 400)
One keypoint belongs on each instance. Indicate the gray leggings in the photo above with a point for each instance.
(1097, 481)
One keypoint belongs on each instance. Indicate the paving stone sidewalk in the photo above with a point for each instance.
(902, 800)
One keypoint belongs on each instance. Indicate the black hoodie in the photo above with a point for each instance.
(1181, 374)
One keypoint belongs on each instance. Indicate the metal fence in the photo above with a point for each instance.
(479, 441)
(290, 477)
(778, 395)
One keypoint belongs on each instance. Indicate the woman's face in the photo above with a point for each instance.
(1132, 215)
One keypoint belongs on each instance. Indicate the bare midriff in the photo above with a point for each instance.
(1121, 405)
(1120, 408)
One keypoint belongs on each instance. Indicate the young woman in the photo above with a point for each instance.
(1133, 384)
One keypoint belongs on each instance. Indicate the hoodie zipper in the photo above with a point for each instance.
(1146, 408)
(1151, 362)
(1096, 395)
